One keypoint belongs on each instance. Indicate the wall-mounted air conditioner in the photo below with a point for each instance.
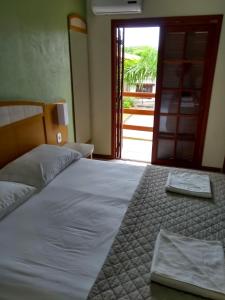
(109, 7)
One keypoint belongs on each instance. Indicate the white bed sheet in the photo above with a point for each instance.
(53, 246)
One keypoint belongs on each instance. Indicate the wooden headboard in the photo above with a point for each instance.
(25, 125)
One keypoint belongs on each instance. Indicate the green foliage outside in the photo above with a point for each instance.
(128, 102)
(140, 70)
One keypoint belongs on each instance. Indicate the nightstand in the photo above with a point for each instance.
(85, 149)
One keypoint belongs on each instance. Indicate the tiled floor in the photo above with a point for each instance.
(137, 145)
(130, 162)
(137, 150)
(140, 120)
(139, 135)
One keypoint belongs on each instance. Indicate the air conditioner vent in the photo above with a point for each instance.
(109, 7)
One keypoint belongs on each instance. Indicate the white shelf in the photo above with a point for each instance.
(85, 149)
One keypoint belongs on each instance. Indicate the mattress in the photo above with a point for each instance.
(53, 246)
(126, 271)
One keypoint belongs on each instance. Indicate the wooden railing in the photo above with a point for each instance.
(139, 95)
(137, 127)
(136, 111)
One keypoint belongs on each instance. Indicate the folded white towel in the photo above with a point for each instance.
(189, 184)
(190, 265)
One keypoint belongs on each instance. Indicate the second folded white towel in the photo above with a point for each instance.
(191, 265)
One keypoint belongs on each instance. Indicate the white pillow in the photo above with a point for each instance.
(39, 166)
(13, 194)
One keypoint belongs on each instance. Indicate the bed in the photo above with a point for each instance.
(53, 245)
(84, 235)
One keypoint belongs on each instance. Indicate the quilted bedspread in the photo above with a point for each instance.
(126, 271)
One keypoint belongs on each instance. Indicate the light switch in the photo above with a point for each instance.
(59, 137)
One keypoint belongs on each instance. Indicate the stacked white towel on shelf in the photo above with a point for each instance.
(188, 183)
(191, 265)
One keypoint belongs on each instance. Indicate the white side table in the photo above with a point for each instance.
(85, 149)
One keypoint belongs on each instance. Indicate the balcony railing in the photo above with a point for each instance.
(138, 111)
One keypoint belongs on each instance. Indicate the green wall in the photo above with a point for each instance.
(34, 50)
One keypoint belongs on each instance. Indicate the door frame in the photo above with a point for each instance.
(128, 23)
(162, 22)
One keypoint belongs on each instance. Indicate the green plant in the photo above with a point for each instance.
(142, 69)
(128, 102)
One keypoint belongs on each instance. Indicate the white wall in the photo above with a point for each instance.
(100, 71)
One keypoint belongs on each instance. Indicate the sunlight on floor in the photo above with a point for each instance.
(130, 162)
(137, 150)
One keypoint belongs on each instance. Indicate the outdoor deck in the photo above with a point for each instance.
(138, 128)
(137, 150)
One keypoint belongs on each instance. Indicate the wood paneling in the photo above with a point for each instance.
(8, 145)
(19, 137)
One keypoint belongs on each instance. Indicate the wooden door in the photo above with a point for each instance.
(186, 67)
(118, 110)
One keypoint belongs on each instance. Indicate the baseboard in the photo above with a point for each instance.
(210, 169)
(224, 166)
(88, 142)
(103, 156)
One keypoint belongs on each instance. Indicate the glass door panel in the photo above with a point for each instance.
(168, 124)
(166, 149)
(185, 150)
(174, 45)
(190, 102)
(196, 45)
(187, 125)
(172, 75)
(193, 76)
(169, 102)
